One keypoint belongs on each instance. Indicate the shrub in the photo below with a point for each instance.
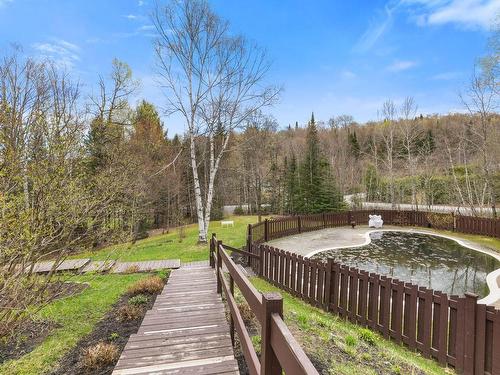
(149, 285)
(114, 336)
(368, 336)
(239, 210)
(138, 300)
(350, 340)
(100, 355)
(163, 274)
(132, 269)
(246, 313)
(129, 312)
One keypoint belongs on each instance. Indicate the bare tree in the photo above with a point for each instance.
(213, 79)
(410, 133)
(481, 101)
(388, 135)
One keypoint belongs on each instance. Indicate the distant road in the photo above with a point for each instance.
(481, 211)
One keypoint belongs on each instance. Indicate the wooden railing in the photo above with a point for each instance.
(279, 349)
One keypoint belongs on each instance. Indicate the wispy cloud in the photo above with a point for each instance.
(446, 76)
(378, 26)
(400, 65)
(465, 13)
(61, 52)
(5, 2)
(131, 16)
(140, 3)
(348, 74)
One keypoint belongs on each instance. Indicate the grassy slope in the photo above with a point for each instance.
(489, 242)
(343, 347)
(77, 316)
(167, 246)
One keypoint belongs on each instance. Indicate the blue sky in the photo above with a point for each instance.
(332, 57)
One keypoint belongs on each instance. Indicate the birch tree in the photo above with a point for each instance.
(214, 79)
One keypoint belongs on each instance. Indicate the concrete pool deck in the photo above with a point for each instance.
(311, 243)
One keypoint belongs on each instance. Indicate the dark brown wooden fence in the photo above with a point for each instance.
(279, 349)
(281, 227)
(453, 330)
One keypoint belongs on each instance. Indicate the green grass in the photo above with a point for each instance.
(76, 316)
(489, 242)
(345, 348)
(170, 246)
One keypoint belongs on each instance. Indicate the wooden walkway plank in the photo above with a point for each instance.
(185, 332)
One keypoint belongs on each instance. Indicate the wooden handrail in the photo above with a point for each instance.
(279, 349)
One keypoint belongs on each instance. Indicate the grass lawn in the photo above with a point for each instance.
(345, 348)
(76, 316)
(489, 242)
(170, 246)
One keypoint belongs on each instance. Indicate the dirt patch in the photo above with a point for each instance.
(110, 330)
(28, 336)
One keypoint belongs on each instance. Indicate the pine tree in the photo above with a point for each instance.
(318, 192)
(354, 144)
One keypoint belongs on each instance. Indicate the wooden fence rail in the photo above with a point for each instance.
(279, 349)
(281, 227)
(453, 330)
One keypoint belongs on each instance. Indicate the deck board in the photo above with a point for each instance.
(185, 332)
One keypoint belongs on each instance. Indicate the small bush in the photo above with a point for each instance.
(150, 285)
(368, 336)
(246, 313)
(129, 312)
(350, 340)
(114, 336)
(239, 210)
(163, 274)
(100, 355)
(138, 300)
(132, 269)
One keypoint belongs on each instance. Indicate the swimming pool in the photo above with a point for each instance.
(434, 262)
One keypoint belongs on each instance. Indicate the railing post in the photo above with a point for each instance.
(261, 260)
(218, 272)
(324, 220)
(231, 320)
(212, 249)
(299, 223)
(249, 243)
(470, 332)
(272, 303)
(266, 230)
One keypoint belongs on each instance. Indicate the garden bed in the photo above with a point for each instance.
(98, 352)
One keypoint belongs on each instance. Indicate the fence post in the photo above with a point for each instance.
(324, 220)
(328, 283)
(219, 268)
(249, 238)
(212, 249)
(231, 320)
(469, 332)
(299, 223)
(261, 260)
(266, 230)
(272, 303)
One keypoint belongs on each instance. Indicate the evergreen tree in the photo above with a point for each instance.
(318, 191)
(354, 144)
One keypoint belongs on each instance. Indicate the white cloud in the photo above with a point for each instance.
(146, 28)
(465, 13)
(63, 53)
(376, 29)
(348, 74)
(400, 65)
(140, 3)
(131, 16)
(446, 76)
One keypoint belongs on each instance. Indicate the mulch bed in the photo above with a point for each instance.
(109, 330)
(28, 336)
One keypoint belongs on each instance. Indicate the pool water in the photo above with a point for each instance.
(425, 260)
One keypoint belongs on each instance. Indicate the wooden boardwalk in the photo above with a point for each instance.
(186, 332)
